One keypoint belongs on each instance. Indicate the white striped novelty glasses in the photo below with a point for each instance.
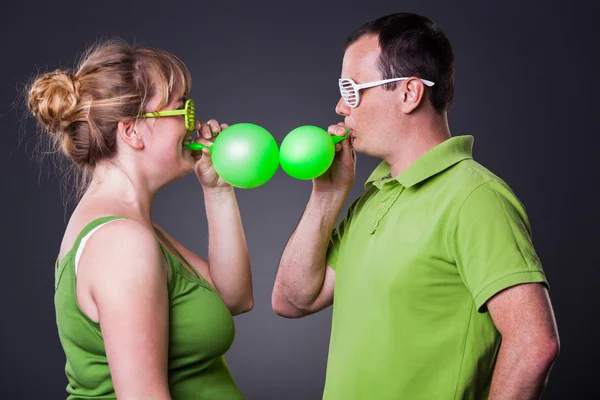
(350, 89)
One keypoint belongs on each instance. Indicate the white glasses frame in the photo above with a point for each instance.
(350, 90)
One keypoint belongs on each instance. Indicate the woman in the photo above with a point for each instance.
(140, 316)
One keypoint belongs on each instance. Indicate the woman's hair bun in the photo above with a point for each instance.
(54, 99)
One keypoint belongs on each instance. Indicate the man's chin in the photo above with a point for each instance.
(356, 145)
(358, 148)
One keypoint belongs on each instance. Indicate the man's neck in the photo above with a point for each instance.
(419, 139)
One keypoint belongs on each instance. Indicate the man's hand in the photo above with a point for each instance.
(340, 176)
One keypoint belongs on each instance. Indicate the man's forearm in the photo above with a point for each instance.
(303, 262)
(521, 372)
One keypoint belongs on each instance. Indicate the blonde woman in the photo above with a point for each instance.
(140, 316)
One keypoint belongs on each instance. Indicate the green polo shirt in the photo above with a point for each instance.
(416, 259)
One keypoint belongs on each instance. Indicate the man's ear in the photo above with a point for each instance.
(412, 92)
(129, 133)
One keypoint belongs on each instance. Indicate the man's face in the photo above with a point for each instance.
(372, 118)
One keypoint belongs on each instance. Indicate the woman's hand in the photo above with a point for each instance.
(204, 169)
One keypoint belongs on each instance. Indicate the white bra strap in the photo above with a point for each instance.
(84, 241)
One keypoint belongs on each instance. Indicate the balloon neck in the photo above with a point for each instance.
(196, 146)
(337, 139)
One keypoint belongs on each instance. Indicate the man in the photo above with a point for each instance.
(439, 293)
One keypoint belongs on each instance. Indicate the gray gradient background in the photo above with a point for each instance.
(526, 88)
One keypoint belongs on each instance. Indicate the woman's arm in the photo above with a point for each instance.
(128, 279)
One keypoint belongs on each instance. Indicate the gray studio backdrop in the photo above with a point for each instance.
(526, 88)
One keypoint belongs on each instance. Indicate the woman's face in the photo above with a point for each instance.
(165, 154)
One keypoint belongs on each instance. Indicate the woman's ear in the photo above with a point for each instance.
(128, 131)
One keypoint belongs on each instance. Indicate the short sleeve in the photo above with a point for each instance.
(492, 245)
(337, 236)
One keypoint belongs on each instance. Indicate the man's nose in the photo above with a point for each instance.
(342, 108)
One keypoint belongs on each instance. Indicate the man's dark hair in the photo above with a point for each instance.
(412, 45)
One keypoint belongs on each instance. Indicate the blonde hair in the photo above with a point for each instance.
(81, 108)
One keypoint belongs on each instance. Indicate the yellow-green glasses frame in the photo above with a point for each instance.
(188, 112)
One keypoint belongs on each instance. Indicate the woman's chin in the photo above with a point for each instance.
(189, 164)
(186, 154)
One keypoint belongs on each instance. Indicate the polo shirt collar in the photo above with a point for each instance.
(432, 162)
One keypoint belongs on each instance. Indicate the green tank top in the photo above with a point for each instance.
(201, 330)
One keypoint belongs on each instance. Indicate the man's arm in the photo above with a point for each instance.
(304, 282)
(497, 261)
(530, 344)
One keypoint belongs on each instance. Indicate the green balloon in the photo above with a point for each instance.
(307, 152)
(245, 155)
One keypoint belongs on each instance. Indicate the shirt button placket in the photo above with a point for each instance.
(389, 199)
